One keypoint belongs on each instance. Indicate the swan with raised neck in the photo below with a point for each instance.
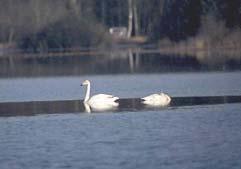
(87, 93)
(99, 100)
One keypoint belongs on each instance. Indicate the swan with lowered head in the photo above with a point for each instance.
(160, 99)
(99, 101)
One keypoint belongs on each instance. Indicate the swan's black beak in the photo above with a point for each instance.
(81, 85)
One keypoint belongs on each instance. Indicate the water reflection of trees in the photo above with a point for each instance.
(120, 61)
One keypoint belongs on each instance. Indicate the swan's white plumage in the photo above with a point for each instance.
(103, 98)
(160, 99)
(99, 101)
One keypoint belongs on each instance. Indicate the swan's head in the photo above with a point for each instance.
(168, 98)
(86, 82)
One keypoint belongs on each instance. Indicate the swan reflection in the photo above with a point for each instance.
(100, 107)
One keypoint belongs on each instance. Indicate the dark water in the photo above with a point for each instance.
(43, 123)
(125, 105)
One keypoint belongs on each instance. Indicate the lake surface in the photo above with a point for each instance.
(122, 85)
(43, 123)
(186, 137)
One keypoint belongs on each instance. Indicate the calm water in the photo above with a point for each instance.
(124, 86)
(190, 137)
(193, 136)
(43, 123)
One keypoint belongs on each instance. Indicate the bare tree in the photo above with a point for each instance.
(130, 18)
(133, 18)
(136, 21)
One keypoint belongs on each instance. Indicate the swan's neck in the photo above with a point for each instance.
(87, 94)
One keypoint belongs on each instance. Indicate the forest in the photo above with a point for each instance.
(43, 25)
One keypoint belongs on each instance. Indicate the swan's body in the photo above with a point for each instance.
(99, 101)
(161, 99)
(102, 99)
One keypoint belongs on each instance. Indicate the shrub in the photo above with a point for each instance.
(70, 32)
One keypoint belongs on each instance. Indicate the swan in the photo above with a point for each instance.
(160, 99)
(99, 101)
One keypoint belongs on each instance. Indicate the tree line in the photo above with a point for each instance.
(41, 25)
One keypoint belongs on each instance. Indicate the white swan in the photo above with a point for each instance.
(160, 99)
(99, 102)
